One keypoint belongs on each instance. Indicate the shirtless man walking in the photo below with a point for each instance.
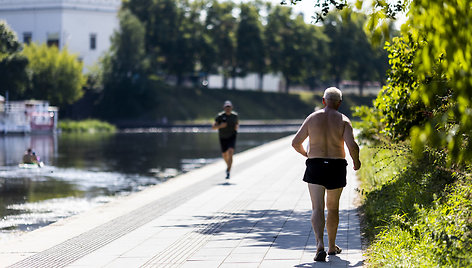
(327, 130)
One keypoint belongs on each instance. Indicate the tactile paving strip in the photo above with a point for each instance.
(179, 251)
(176, 254)
(79, 246)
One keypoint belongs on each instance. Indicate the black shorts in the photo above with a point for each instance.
(227, 143)
(330, 173)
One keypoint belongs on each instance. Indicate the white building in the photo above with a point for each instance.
(271, 82)
(83, 26)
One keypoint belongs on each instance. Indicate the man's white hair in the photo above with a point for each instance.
(333, 93)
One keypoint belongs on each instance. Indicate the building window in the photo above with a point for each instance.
(53, 42)
(53, 39)
(93, 41)
(27, 37)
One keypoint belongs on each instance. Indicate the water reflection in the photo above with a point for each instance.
(84, 171)
(13, 147)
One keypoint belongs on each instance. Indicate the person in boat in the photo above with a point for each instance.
(38, 160)
(227, 124)
(30, 157)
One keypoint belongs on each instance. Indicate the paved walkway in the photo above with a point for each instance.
(258, 218)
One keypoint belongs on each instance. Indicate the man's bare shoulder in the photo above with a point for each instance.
(317, 112)
(346, 121)
(345, 118)
(314, 115)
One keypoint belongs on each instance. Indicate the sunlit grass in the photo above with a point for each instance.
(416, 211)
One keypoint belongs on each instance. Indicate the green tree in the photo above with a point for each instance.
(207, 50)
(13, 76)
(298, 52)
(444, 60)
(161, 20)
(442, 33)
(174, 37)
(221, 26)
(370, 61)
(140, 8)
(315, 51)
(278, 21)
(184, 55)
(340, 30)
(395, 111)
(162, 31)
(251, 55)
(125, 67)
(283, 38)
(55, 75)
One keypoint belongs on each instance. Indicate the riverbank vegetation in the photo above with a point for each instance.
(86, 126)
(416, 212)
(417, 157)
(170, 104)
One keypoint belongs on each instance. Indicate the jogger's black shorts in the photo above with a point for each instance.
(227, 143)
(330, 173)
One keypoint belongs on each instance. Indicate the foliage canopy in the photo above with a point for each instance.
(193, 39)
(428, 94)
(13, 76)
(55, 75)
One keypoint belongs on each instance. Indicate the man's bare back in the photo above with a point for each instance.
(327, 130)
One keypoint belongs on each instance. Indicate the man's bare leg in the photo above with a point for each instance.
(332, 204)
(317, 194)
(228, 157)
(225, 157)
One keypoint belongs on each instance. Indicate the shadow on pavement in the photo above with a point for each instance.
(284, 229)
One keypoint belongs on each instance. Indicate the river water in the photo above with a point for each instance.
(83, 171)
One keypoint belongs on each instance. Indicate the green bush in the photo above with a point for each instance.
(439, 237)
(416, 212)
(88, 126)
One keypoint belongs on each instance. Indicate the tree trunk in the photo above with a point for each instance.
(179, 80)
(225, 82)
(233, 76)
(233, 84)
(361, 88)
(337, 81)
(287, 85)
(261, 81)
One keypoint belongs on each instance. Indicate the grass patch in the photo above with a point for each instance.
(162, 103)
(439, 236)
(416, 213)
(86, 126)
(171, 104)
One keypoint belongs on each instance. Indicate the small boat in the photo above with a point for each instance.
(31, 165)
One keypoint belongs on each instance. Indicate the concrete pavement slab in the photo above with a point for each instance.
(258, 218)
